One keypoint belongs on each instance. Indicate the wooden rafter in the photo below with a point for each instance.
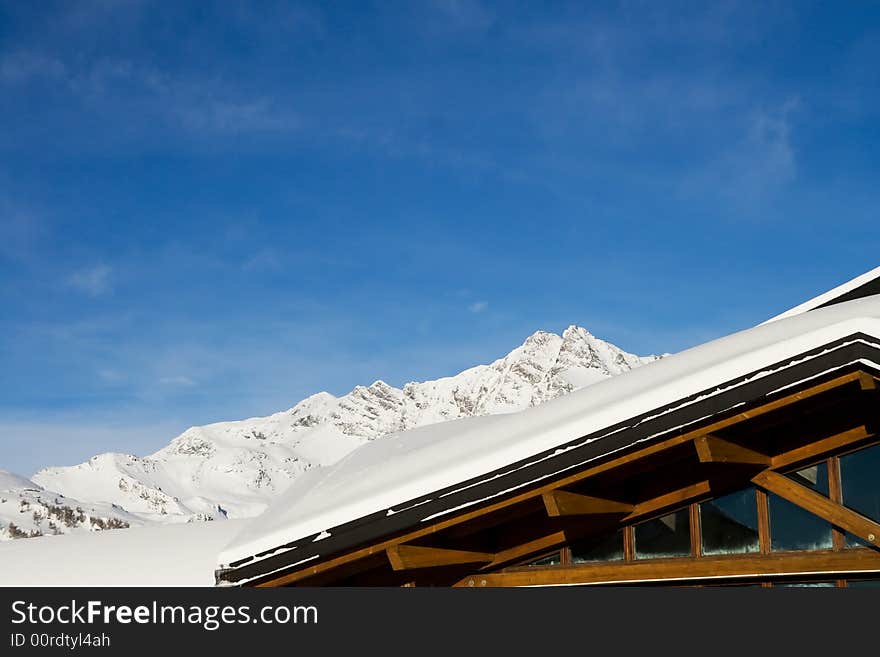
(315, 569)
(653, 506)
(817, 504)
(564, 503)
(537, 546)
(712, 568)
(671, 500)
(409, 557)
(821, 448)
(712, 449)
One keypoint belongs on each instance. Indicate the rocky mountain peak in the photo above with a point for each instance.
(235, 468)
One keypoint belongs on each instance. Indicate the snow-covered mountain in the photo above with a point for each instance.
(28, 510)
(234, 469)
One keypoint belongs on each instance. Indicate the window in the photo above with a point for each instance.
(858, 477)
(550, 560)
(729, 524)
(820, 585)
(793, 528)
(815, 477)
(602, 548)
(667, 536)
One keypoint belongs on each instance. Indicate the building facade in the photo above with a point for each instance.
(750, 460)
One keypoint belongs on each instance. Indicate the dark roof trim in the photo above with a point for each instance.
(658, 423)
(866, 290)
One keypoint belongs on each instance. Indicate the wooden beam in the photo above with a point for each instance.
(835, 493)
(720, 568)
(763, 521)
(696, 530)
(669, 500)
(518, 552)
(784, 401)
(867, 382)
(312, 569)
(629, 543)
(712, 449)
(816, 450)
(563, 503)
(408, 557)
(817, 504)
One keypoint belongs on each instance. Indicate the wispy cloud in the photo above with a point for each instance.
(768, 147)
(178, 380)
(478, 306)
(110, 375)
(24, 66)
(266, 259)
(762, 160)
(234, 115)
(20, 230)
(119, 86)
(93, 281)
(465, 14)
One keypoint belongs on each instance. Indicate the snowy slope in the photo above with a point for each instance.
(28, 510)
(179, 555)
(234, 469)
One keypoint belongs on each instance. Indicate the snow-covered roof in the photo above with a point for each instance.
(163, 555)
(377, 479)
(861, 286)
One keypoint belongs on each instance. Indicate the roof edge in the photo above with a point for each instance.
(849, 351)
(864, 285)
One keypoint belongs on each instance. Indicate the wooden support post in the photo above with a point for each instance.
(629, 543)
(763, 522)
(835, 492)
(696, 530)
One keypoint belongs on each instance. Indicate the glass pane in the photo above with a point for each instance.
(821, 585)
(854, 541)
(792, 528)
(669, 536)
(602, 548)
(550, 560)
(858, 583)
(729, 524)
(815, 477)
(859, 474)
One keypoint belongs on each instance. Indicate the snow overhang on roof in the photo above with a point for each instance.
(868, 284)
(426, 473)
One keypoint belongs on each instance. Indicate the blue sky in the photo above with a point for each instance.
(211, 210)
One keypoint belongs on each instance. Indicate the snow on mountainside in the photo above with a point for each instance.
(234, 469)
(28, 510)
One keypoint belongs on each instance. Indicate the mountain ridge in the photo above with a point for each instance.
(234, 469)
